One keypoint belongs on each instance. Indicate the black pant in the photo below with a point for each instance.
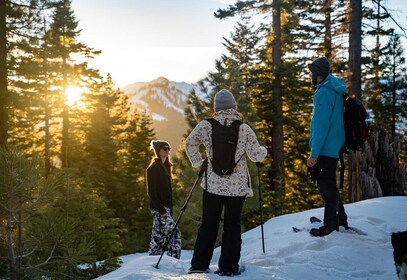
(212, 207)
(334, 214)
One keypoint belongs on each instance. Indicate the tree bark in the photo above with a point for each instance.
(277, 129)
(355, 49)
(4, 94)
(10, 243)
(377, 171)
(328, 29)
(355, 84)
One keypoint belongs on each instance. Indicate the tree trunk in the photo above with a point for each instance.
(355, 85)
(380, 172)
(10, 243)
(355, 49)
(4, 94)
(65, 137)
(277, 129)
(394, 99)
(65, 149)
(47, 154)
(328, 29)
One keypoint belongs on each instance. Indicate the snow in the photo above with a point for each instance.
(158, 117)
(298, 256)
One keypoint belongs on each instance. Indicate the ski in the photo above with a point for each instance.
(198, 271)
(356, 230)
(242, 269)
(314, 220)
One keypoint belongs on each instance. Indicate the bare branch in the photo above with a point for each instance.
(388, 13)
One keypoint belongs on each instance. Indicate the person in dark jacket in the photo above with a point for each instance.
(326, 140)
(160, 193)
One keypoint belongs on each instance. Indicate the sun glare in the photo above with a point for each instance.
(73, 95)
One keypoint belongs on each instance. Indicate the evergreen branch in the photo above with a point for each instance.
(388, 13)
(27, 254)
(68, 276)
(4, 207)
(20, 5)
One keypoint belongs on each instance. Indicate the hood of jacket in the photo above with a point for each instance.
(227, 116)
(333, 83)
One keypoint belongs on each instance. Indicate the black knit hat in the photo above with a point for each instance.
(157, 145)
(320, 67)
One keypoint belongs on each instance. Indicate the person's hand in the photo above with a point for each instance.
(311, 162)
(259, 164)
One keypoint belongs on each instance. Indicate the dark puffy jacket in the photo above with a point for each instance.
(159, 187)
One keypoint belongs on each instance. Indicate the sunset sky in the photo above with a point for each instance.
(141, 40)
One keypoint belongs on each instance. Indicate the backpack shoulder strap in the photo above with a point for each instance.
(211, 121)
(342, 172)
(236, 125)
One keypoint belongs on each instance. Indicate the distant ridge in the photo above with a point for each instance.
(165, 101)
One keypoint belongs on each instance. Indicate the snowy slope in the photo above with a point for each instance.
(170, 94)
(298, 256)
(165, 102)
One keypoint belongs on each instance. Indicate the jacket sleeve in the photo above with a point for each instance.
(193, 141)
(152, 189)
(254, 151)
(320, 122)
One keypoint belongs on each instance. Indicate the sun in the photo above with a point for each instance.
(73, 95)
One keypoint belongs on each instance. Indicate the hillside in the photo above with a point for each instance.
(298, 256)
(165, 101)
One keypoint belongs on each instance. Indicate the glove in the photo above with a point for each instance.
(314, 172)
(259, 164)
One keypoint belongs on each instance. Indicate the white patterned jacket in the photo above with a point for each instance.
(238, 183)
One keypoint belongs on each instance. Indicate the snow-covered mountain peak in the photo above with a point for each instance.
(165, 101)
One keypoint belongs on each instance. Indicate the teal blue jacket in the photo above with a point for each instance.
(327, 129)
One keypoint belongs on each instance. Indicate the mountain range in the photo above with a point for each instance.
(165, 101)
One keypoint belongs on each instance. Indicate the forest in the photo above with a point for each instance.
(72, 175)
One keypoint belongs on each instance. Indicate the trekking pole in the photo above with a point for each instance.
(201, 171)
(258, 164)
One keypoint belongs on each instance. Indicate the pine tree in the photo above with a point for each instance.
(63, 44)
(39, 236)
(135, 200)
(4, 93)
(391, 113)
(19, 21)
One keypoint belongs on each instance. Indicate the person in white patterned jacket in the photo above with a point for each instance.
(226, 192)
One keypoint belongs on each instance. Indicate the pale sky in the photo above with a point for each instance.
(141, 40)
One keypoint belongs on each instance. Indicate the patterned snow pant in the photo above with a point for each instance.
(160, 233)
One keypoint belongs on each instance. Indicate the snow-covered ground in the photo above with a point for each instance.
(298, 256)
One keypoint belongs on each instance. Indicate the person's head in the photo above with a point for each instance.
(224, 100)
(161, 148)
(319, 69)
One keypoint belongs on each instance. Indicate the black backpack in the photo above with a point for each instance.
(356, 131)
(224, 143)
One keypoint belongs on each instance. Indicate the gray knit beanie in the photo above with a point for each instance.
(224, 100)
(320, 67)
(157, 145)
